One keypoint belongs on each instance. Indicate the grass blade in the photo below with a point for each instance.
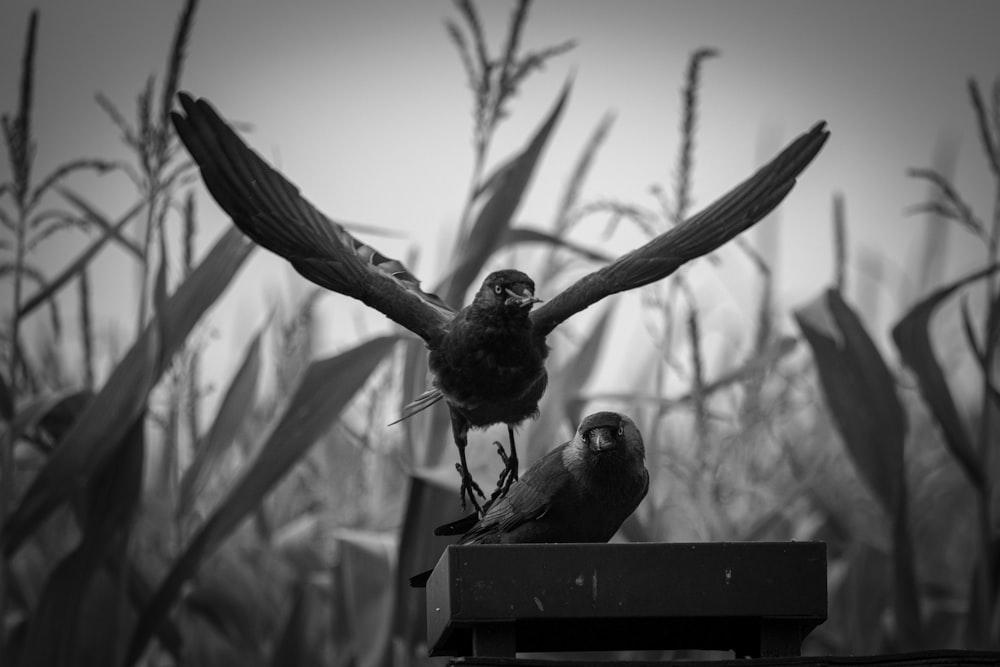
(326, 388)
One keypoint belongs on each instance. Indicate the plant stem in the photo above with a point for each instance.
(19, 144)
(987, 588)
(7, 466)
(144, 268)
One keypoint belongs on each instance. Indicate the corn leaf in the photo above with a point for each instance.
(52, 413)
(860, 392)
(54, 636)
(364, 582)
(94, 437)
(985, 352)
(518, 235)
(139, 593)
(233, 593)
(414, 383)
(865, 592)
(293, 647)
(233, 411)
(560, 409)
(326, 388)
(505, 188)
(913, 339)
(431, 502)
(6, 401)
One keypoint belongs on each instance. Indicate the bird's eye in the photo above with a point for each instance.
(621, 430)
(498, 289)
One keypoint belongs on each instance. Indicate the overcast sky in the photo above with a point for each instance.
(364, 105)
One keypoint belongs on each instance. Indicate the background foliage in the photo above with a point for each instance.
(281, 529)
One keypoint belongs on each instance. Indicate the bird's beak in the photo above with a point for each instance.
(601, 440)
(525, 300)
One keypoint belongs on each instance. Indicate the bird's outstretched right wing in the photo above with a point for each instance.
(269, 209)
(700, 234)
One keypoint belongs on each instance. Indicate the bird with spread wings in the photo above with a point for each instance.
(486, 359)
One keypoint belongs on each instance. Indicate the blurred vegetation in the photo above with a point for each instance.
(137, 529)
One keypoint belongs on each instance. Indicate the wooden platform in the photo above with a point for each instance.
(919, 659)
(756, 599)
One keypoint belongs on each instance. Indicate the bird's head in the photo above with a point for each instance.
(508, 288)
(606, 432)
(607, 449)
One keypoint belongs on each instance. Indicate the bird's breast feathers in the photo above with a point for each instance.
(479, 362)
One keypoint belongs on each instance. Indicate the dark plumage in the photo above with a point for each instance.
(490, 367)
(581, 491)
(487, 359)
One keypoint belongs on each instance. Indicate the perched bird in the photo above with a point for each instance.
(487, 359)
(581, 491)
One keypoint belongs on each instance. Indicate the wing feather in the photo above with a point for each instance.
(270, 210)
(728, 216)
(523, 503)
(527, 500)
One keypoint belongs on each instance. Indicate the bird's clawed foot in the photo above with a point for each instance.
(469, 488)
(509, 473)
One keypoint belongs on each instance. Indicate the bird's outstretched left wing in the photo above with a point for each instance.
(269, 209)
(734, 212)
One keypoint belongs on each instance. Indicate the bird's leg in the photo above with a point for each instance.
(509, 474)
(512, 462)
(499, 491)
(460, 429)
(469, 487)
(503, 455)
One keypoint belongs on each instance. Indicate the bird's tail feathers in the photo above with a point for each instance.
(457, 527)
(420, 580)
(419, 404)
